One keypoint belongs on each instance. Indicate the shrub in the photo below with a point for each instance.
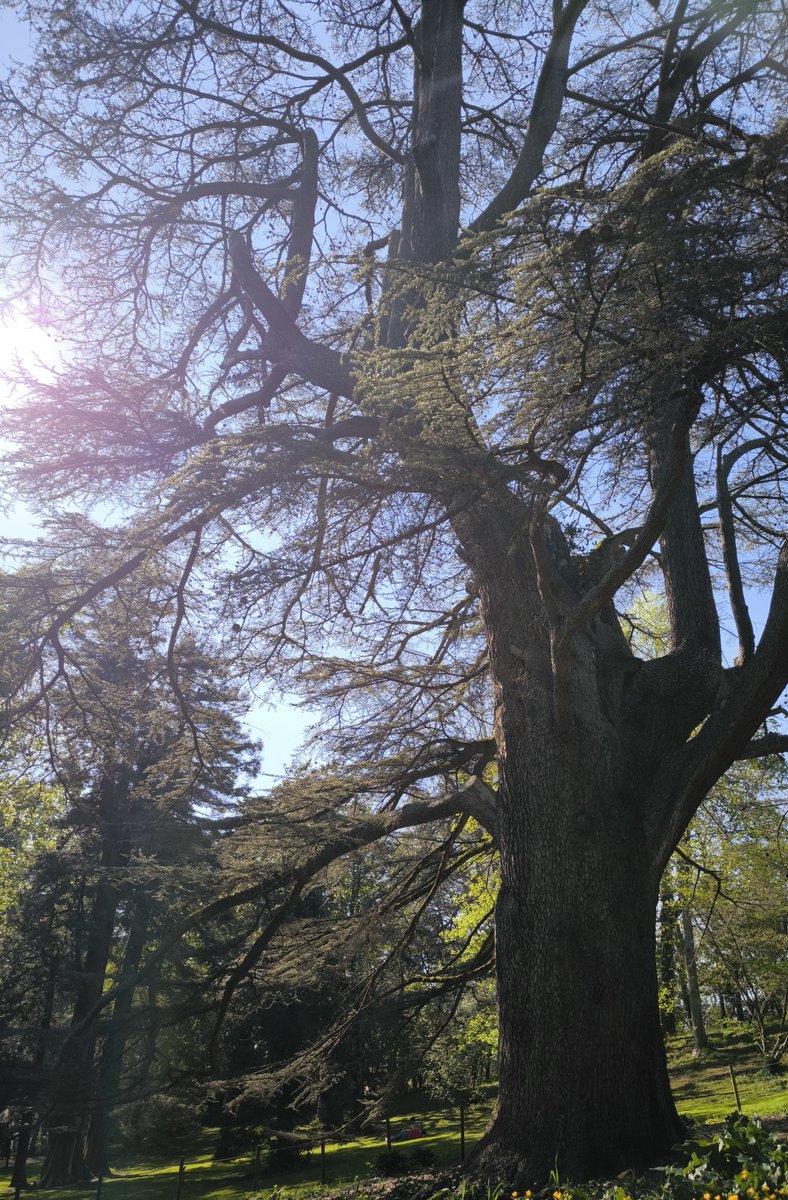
(284, 1154)
(389, 1162)
(744, 1159)
(421, 1157)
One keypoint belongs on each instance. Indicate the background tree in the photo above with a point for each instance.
(737, 899)
(132, 782)
(384, 477)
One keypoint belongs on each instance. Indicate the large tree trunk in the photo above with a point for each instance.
(583, 1079)
(584, 1087)
(73, 1073)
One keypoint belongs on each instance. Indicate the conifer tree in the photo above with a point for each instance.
(416, 338)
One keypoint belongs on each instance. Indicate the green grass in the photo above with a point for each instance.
(206, 1180)
(702, 1088)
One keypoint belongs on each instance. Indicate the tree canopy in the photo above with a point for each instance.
(404, 347)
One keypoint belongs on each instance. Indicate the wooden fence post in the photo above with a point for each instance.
(388, 1133)
(322, 1160)
(735, 1087)
(462, 1133)
(99, 1185)
(255, 1168)
(181, 1173)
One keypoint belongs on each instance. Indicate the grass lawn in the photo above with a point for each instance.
(206, 1180)
(702, 1088)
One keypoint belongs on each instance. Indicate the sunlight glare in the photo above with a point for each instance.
(26, 347)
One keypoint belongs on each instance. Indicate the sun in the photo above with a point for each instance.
(25, 346)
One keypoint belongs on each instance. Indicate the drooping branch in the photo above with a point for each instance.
(328, 844)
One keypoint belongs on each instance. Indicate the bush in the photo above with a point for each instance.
(158, 1125)
(284, 1154)
(744, 1159)
(389, 1162)
(422, 1157)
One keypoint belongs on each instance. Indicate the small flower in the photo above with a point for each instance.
(707, 1196)
(556, 1196)
(743, 1175)
(734, 1196)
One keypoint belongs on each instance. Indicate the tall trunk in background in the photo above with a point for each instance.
(68, 1110)
(699, 1038)
(97, 1143)
(19, 1170)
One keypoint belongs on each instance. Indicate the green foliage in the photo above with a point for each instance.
(744, 1159)
(454, 1067)
(159, 1125)
(394, 1161)
(27, 813)
(284, 1154)
(390, 1161)
(737, 896)
(743, 1162)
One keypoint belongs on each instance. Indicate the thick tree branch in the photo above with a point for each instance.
(692, 610)
(286, 346)
(730, 554)
(726, 735)
(480, 802)
(542, 121)
(643, 541)
(761, 747)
